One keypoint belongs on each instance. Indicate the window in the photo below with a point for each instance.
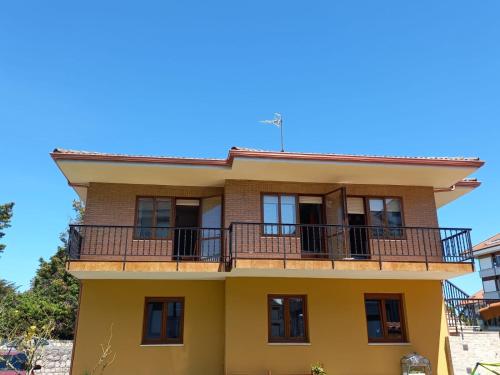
(153, 217)
(384, 318)
(496, 260)
(287, 319)
(163, 321)
(386, 212)
(278, 210)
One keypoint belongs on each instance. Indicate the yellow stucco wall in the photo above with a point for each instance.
(225, 328)
(337, 327)
(121, 303)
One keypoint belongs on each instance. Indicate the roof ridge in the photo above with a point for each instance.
(97, 153)
(472, 158)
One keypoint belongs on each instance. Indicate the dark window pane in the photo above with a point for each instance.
(174, 315)
(154, 320)
(374, 319)
(393, 319)
(163, 216)
(297, 325)
(145, 219)
(271, 214)
(277, 318)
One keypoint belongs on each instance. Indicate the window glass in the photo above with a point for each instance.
(277, 318)
(393, 323)
(296, 317)
(153, 214)
(383, 318)
(288, 214)
(163, 321)
(271, 214)
(154, 320)
(496, 260)
(145, 217)
(174, 314)
(373, 318)
(287, 319)
(377, 216)
(394, 216)
(163, 215)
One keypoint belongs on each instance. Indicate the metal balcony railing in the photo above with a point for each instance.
(269, 241)
(339, 242)
(130, 243)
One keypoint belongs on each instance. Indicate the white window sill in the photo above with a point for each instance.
(289, 343)
(389, 343)
(148, 345)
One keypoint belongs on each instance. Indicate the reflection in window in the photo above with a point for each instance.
(386, 212)
(373, 319)
(154, 323)
(277, 318)
(163, 320)
(271, 214)
(153, 214)
(278, 212)
(296, 317)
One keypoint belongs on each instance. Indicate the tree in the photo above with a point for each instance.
(56, 286)
(53, 296)
(6, 287)
(5, 217)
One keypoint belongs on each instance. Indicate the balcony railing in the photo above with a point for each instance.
(338, 242)
(129, 243)
(269, 241)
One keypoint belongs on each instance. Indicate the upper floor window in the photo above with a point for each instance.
(163, 320)
(287, 318)
(384, 318)
(386, 212)
(496, 260)
(277, 211)
(153, 217)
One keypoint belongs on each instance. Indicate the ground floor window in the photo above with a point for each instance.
(287, 318)
(384, 318)
(163, 320)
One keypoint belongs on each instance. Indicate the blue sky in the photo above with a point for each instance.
(193, 78)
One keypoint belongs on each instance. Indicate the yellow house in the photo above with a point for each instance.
(264, 262)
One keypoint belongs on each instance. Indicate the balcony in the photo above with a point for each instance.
(255, 248)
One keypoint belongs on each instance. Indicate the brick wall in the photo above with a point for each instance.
(242, 198)
(114, 204)
(243, 203)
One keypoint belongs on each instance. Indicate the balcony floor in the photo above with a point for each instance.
(359, 269)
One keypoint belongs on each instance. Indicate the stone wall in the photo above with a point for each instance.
(57, 358)
(474, 347)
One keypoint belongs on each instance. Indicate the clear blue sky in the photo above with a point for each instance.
(193, 78)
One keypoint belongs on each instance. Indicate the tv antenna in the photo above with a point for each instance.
(278, 122)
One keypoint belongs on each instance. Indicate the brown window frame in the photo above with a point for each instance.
(280, 224)
(385, 235)
(382, 297)
(163, 340)
(287, 338)
(172, 217)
